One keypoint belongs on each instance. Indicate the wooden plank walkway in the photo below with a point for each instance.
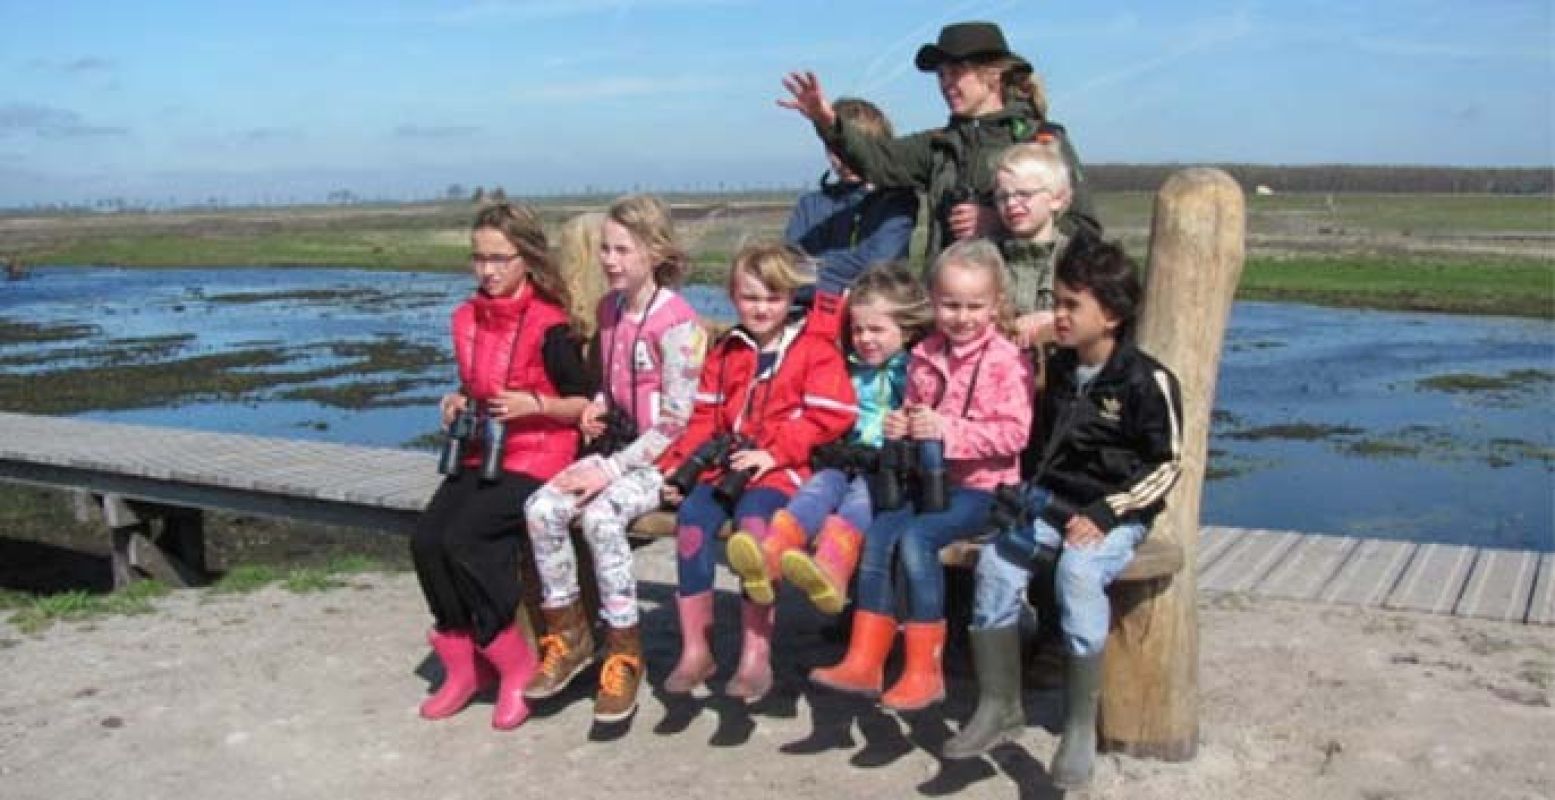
(385, 489)
(1483, 582)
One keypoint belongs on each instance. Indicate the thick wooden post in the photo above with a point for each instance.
(1150, 694)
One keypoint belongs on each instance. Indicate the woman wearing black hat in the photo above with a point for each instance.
(995, 101)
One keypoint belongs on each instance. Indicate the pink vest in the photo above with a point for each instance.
(497, 343)
(625, 342)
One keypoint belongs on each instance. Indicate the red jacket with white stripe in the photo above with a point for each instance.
(803, 400)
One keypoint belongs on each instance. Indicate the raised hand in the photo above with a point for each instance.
(808, 98)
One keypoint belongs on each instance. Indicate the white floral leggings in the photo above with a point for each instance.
(604, 521)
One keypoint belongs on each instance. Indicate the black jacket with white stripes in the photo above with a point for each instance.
(1114, 450)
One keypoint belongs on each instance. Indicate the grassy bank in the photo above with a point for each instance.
(1460, 254)
(1487, 286)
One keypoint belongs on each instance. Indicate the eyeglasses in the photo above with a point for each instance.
(1020, 196)
(492, 259)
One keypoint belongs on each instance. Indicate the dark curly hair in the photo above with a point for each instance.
(1104, 269)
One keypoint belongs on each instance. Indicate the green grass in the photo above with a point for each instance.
(35, 614)
(245, 578)
(1459, 382)
(306, 580)
(1502, 286)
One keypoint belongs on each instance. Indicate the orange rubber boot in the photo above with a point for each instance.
(758, 562)
(862, 670)
(824, 578)
(923, 679)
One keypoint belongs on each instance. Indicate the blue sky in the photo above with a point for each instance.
(287, 100)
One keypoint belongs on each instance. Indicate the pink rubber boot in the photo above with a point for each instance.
(515, 663)
(696, 657)
(753, 679)
(463, 673)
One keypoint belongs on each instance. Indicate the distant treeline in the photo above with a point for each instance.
(1340, 178)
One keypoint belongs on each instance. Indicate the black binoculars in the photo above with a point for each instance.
(850, 457)
(715, 452)
(620, 431)
(470, 426)
(907, 464)
(1018, 505)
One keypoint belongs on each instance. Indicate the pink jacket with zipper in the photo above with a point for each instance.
(983, 444)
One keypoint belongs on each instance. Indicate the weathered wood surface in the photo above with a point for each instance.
(1150, 673)
(366, 487)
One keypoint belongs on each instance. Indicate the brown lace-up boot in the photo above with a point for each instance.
(566, 649)
(620, 676)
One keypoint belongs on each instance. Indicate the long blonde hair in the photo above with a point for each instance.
(577, 258)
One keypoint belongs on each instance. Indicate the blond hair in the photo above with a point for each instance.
(776, 266)
(981, 254)
(890, 282)
(521, 227)
(577, 258)
(1020, 83)
(649, 221)
(1041, 161)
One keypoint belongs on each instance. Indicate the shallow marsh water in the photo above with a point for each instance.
(1393, 425)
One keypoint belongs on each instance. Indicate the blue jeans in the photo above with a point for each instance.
(831, 492)
(1082, 577)
(697, 524)
(917, 539)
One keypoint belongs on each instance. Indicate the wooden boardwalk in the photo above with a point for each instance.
(1510, 585)
(385, 489)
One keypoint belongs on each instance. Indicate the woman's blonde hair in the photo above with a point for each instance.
(983, 255)
(649, 221)
(892, 283)
(519, 225)
(1020, 83)
(777, 266)
(577, 257)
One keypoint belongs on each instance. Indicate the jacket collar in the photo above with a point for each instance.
(891, 363)
(939, 352)
(741, 337)
(964, 349)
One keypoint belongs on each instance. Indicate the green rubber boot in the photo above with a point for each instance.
(1076, 755)
(1000, 716)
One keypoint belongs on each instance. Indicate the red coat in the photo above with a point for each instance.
(484, 330)
(805, 400)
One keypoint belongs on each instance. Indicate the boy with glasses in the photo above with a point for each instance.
(1031, 192)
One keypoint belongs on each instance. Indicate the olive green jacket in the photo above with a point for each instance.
(956, 163)
(1031, 266)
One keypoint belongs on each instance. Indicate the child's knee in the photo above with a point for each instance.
(690, 540)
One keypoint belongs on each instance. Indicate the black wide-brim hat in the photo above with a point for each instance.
(966, 41)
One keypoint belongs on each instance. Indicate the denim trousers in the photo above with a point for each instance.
(831, 491)
(916, 540)
(697, 524)
(1081, 577)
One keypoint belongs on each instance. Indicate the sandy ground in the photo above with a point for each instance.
(276, 695)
